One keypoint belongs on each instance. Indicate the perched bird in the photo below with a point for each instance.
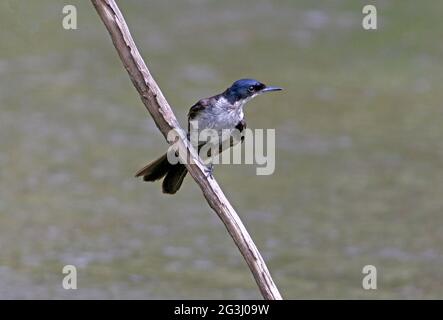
(222, 112)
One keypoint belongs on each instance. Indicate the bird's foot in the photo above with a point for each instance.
(209, 170)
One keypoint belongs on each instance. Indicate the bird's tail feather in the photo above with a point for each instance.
(159, 168)
(155, 170)
(174, 178)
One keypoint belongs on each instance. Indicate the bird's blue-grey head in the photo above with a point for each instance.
(246, 89)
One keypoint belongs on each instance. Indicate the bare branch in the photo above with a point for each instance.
(165, 120)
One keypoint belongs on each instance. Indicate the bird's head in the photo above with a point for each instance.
(243, 90)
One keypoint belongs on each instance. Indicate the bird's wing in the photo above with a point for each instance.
(196, 109)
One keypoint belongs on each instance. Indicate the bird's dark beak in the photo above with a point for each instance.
(270, 89)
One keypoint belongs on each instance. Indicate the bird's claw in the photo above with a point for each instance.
(209, 170)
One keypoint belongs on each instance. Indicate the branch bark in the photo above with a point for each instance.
(164, 118)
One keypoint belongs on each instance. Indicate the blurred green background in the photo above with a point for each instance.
(359, 163)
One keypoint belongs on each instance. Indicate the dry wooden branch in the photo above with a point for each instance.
(165, 120)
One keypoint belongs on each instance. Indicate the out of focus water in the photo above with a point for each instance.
(359, 163)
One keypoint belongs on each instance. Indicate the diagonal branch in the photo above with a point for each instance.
(165, 120)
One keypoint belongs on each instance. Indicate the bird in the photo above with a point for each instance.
(221, 112)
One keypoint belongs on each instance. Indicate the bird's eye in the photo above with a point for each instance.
(251, 89)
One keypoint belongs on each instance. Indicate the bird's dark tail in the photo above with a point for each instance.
(159, 168)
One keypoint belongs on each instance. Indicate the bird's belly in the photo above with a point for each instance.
(218, 132)
(219, 120)
(223, 128)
